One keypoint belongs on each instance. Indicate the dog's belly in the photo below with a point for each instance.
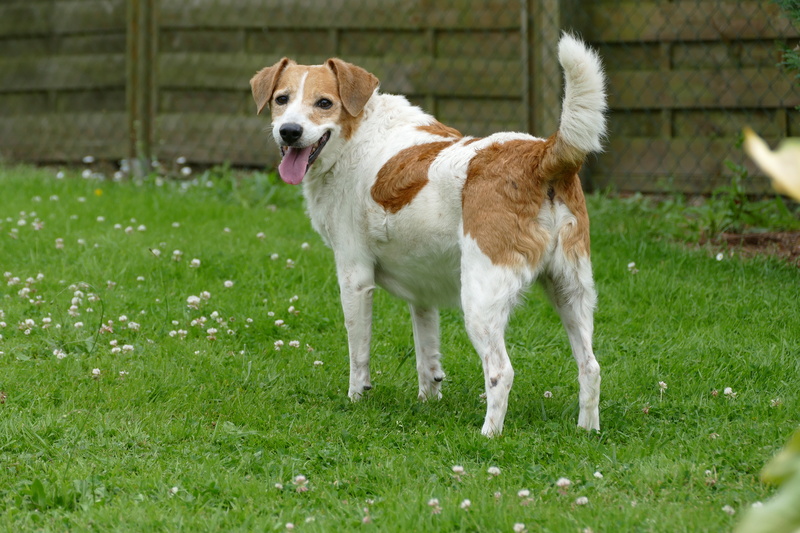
(425, 280)
(418, 257)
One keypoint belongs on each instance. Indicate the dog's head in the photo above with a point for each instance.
(312, 107)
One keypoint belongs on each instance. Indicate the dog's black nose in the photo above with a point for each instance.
(291, 132)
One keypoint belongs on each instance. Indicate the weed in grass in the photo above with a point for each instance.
(192, 420)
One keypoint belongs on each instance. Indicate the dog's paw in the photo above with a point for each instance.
(430, 393)
(356, 393)
(490, 430)
(589, 420)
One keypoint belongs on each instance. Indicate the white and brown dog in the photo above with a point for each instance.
(439, 219)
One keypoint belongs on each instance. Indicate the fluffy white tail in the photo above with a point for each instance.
(583, 121)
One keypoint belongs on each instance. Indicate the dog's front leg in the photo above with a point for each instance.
(356, 284)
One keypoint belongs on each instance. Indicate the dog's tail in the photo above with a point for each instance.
(583, 121)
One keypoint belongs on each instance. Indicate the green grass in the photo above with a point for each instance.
(198, 433)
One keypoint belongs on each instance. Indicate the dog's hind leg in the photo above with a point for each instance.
(425, 322)
(570, 286)
(488, 295)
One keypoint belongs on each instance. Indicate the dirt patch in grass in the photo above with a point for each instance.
(783, 244)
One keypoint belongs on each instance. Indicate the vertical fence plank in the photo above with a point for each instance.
(141, 83)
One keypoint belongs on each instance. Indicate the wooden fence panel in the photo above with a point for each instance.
(684, 76)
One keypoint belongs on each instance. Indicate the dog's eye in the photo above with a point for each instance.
(282, 99)
(324, 103)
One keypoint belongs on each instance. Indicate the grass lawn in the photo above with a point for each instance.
(125, 409)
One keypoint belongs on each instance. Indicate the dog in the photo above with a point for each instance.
(441, 219)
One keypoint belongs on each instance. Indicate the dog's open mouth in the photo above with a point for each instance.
(296, 161)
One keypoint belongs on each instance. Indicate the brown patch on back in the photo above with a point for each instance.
(437, 128)
(404, 175)
(506, 187)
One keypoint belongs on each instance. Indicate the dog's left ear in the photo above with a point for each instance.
(263, 83)
(356, 85)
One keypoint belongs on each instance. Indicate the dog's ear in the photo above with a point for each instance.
(263, 83)
(356, 85)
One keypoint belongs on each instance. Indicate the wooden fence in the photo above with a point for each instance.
(166, 78)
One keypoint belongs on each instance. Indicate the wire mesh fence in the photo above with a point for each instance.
(168, 79)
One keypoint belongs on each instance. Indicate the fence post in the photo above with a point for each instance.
(140, 84)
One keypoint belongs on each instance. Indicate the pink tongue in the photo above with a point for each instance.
(294, 164)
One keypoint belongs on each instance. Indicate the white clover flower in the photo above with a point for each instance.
(78, 325)
(563, 483)
(180, 160)
(88, 159)
(458, 470)
(294, 344)
(519, 527)
(548, 394)
(720, 256)
(433, 502)
(122, 318)
(278, 344)
(598, 475)
(59, 243)
(583, 500)
(305, 246)
(294, 298)
(465, 504)
(194, 263)
(261, 235)
(729, 392)
(156, 252)
(117, 226)
(173, 491)
(662, 385)
(59, 176)
(60, 354)
(176, 224)
(289, 526)
(133, 326)
(318, 363)
(96, 373)
(228, 284)
(279, 486)
(127, 347)
(279, 323)
(123, 373)
(289, 263)
(493, 471)
(205, 295)
(300, 480)
(524, 493)
(274, 257)
(729, 510)
(177, 255)
(193, 302)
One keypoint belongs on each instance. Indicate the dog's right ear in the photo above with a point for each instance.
(263, 83)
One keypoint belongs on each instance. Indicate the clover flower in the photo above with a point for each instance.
(493, 471)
